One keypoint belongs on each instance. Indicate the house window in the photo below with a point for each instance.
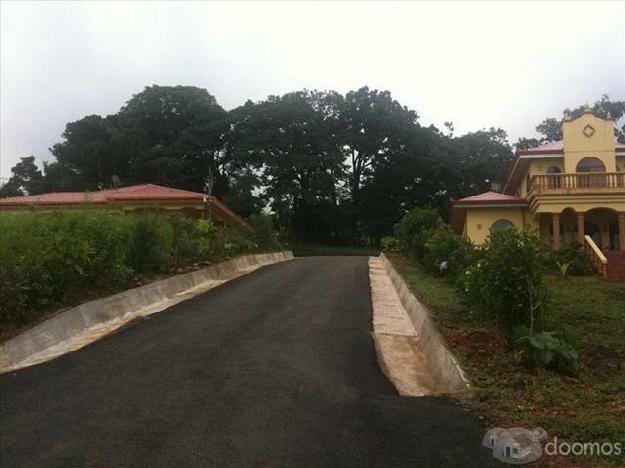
(501, 225)
(590, 165)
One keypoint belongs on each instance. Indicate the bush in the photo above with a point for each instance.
(151, 242)
(412, 230)
(447, 253)
(264, 235)
(389, 243)
(545, 349)
(47, 259)
(571, 254)
(507, 281)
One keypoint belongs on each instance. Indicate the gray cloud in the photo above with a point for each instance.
(477, 64)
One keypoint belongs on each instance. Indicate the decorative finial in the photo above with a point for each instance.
(608, 116)
(567, 115)
(587, 109)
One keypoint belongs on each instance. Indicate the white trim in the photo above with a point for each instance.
(502, 205)
(539, 156)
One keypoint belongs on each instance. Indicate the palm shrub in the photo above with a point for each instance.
(571, 254)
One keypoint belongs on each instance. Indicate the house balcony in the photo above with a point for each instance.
(586, 183)
(583, 191)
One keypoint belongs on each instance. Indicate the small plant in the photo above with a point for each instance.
(573, 254)
(563, 268)
(545, 349)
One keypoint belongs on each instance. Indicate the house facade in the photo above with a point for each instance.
(126, 199)
(569, 190)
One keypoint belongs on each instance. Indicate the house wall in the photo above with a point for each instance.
(578, 146)
(479, 220)
(537, 167)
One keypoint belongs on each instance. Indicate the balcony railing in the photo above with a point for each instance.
(585, 182)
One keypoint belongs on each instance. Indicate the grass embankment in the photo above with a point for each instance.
(61, 259)
(589, 407)
(305, 250)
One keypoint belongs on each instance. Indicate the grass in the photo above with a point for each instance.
(306, 250)
(586, 408)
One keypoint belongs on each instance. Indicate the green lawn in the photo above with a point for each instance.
(587, 408)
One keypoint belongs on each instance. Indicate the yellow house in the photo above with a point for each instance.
(569, 190)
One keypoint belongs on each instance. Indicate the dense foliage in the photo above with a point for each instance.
(502, 280)
(50, 259)
(507, 279)
(332, 168)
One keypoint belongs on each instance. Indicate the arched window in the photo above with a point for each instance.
(590, 165)
(554, 170)
(501, 225)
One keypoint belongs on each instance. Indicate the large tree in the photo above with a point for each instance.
(166, 134)
(26, 179)
(287, 141)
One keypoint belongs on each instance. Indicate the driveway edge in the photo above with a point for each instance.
(79, 326)
(411, 352)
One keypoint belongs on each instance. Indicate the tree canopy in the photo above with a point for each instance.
(330, 167)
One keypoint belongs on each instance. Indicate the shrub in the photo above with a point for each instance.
(47, 259)
(571, 254)
(545, 349)
(412, 230)
(151, 242)
(507, 281)
(447, 253)
(389, 243)
(262, 228)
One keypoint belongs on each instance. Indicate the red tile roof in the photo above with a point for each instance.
(557, 147)
(490, 197)
(133, 192)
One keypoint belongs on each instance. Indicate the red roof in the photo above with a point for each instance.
(132, 192)
(490, 197)
(558, 147)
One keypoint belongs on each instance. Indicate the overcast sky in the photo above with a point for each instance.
(476, 64)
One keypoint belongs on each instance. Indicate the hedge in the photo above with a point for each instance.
(51, 259)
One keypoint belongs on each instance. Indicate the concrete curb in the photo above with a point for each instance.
(79, 326)
(434, 369)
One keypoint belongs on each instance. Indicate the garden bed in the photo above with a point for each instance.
(587, 407)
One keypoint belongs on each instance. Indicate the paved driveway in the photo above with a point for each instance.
(276, 368)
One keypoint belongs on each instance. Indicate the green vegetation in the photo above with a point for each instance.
(49, 260)
(589, 406)
(502, 280)
(334, 168)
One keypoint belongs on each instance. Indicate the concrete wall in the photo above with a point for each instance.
(443, 368)
(77, 327)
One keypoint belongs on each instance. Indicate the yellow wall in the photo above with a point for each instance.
(578, 146)
(537, 167)
(479, 220)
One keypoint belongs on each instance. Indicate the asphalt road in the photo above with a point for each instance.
(274, 369)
